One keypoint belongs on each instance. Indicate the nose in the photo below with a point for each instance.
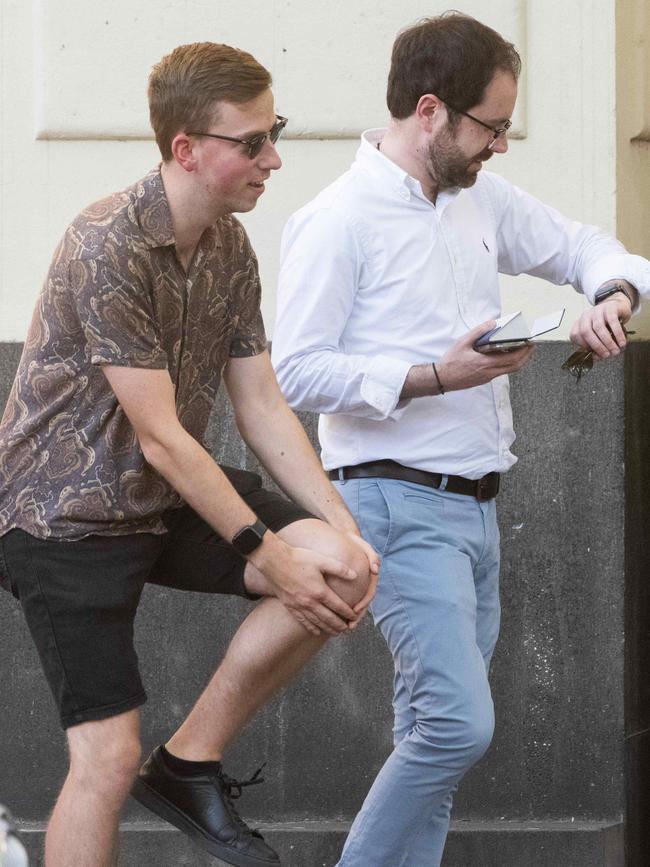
(269, 158)
(500, 144)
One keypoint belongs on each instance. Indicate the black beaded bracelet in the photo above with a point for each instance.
(440, 388)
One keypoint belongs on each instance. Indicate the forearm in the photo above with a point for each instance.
(193, 473)
(331, 382)
(295, 574)
(280, 443)
(534, 238)
(462, 367)
(421, 381)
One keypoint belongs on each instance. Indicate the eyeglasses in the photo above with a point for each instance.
(497, 131)
(582, 360)
(256, 143)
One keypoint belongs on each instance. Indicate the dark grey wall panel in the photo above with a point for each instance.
(9, 358)
(559, 673)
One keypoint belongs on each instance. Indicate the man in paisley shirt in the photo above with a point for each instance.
(153, 296)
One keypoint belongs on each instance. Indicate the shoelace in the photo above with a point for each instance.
(232, 789)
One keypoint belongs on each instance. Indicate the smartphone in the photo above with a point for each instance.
(501, 346)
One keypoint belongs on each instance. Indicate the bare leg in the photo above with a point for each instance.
(104, 759)
(268, 650)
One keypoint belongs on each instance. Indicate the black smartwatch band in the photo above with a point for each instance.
(246, 540)
(608, 291)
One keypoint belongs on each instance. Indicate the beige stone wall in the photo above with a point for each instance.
(633, 133)
(73, 114)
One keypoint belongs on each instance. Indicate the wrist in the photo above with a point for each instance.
(616, 290)
(270, 549)
(443, 378)
(344, 523)
(439, 384)
(250, 537)
(334, 511)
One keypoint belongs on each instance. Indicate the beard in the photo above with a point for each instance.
(448, 165)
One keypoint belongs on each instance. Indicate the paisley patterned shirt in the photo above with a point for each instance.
(70, 463)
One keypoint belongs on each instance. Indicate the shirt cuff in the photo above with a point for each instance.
(618, 266)
(382, 386)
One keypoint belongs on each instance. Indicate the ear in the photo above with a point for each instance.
(426, 109)
(183, 151)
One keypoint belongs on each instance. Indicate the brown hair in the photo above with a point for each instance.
(186, 85)
(452, 56)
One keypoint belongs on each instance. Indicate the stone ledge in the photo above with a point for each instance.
(318, 844)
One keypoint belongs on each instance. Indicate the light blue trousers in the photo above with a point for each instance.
(437, 605)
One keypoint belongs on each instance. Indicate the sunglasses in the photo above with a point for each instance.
(254, 144)
(582, 360)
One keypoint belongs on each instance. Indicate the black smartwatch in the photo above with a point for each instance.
(246, 540)
(607, 291)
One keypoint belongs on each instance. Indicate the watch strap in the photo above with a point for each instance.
(608, 291)
(246, 540)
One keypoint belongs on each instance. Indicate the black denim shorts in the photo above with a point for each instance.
(80, 598)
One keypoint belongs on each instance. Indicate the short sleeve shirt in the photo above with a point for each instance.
(70, 462)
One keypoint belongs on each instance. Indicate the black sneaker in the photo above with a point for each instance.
(202, 806)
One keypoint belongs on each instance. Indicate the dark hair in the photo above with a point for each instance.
(452, 56)
(185, 87)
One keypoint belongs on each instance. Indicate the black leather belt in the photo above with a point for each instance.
(485, 488)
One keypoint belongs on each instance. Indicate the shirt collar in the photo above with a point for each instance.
(155, 218)
(371, 158)
(152, 211)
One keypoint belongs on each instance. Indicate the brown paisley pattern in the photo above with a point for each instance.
(70, 463)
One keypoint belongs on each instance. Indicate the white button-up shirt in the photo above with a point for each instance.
(376, 278)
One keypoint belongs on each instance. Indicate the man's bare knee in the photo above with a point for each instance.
(106, 753)
(319, 536)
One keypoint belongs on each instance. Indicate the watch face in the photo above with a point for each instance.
(602, 294)
(247, 540)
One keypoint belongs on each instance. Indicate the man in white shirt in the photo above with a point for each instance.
(388, 278)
